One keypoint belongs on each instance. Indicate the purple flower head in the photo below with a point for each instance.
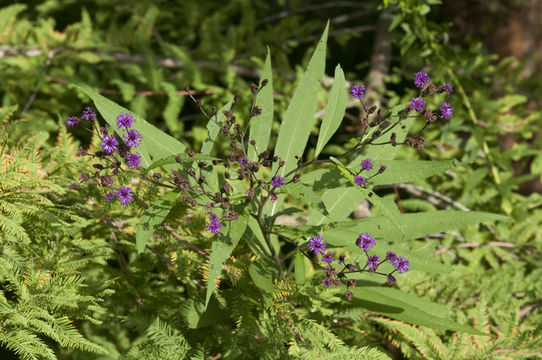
(391, 279)
(89, 114)
(133, 160)
(214, 224)
(446, 111)
(401, 264)
(391, 256)
(243, 162)
(133, 138)
(341, 259)
(109, 196)
(110, 144)
(421, 79)
(125, 121)
(417, 104)
(72, 121)
(367, 165)
(124, 195)
(372, 262)
(448, 88)
(365, 241)
(328, 257)
(327, 282)
(359, 180)
(349, 294)
(317, 244)
(278, 181)
(357, 91)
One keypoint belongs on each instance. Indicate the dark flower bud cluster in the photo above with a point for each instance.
(337, 274)
(111, 153)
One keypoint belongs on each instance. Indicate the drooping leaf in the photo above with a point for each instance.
(260, 126)
(155, 143)
(406, 307)
(335, 108)
(223, 245)
(299, 269)
(153, 217)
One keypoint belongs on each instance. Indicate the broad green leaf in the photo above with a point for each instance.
(339, 202)
(303, 192)
(335, 108)
(260, 126)
(213, 128)
(299, 269)
(223, 245)
(185, 159)
(414, 226)
(299, 117)
(153, 217)
(387, 208)
(406, 307)
(403, 171)
(155, 143)
(198, 316)
(263, 272)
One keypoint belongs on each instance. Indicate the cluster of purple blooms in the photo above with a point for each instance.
(367, 165)
(109, 146)
(365, 242)
(421, 80)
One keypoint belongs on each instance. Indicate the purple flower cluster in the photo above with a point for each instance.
(423, 82)
(357, 91)
(365, 241)
(214, 224)
(421, 79)
(278, 181)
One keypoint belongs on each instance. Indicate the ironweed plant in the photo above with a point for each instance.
(244, 192)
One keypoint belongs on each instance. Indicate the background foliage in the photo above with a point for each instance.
(73, 284)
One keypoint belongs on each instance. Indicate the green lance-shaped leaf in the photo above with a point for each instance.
(153, 217)
(299, 117)
(299, 270)
(260, 126)
(185, 159)
(335, 108)
(155, 142)
(406, 307)
(303, 192)
(387, 208)
(213, 128)
(222, 246)
(413, 225)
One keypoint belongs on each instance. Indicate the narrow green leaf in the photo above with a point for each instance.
(339, 202)
(263, 272)
(403, 171)
(305, 193)
(185, 159)
(213, 129)
(155, 142)
(260, 126)
(299, 269)
(406, 307)
(414, 225)
(153, 217)
(388, 209)
(299, 117)
(335, 108)
(222, 246)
